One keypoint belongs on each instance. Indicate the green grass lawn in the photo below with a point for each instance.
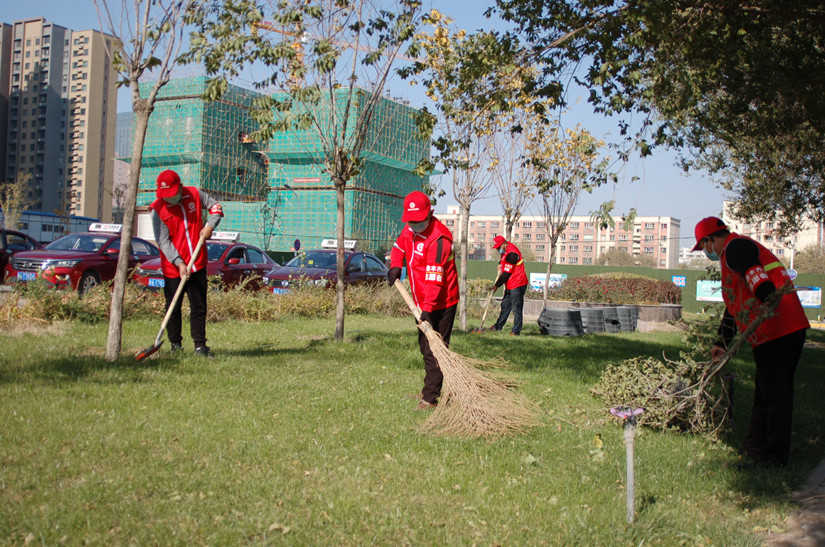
(290, 438)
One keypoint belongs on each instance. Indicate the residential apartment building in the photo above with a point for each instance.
(581, 243)
(763, 232)
(61, 117)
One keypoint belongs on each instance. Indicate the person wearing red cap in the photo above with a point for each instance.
(425, 246)
(177, 220)
(751, 275)
(514, 279)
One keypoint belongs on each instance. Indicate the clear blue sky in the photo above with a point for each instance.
(661, 188)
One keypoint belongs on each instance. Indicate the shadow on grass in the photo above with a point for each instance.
(83, 366)
(585, 355)
(760, 484)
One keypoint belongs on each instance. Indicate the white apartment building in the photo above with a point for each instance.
(580, 244)
(763, 232)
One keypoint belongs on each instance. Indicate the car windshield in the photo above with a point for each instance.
(84, 243)
(215, 251)
(313, 260)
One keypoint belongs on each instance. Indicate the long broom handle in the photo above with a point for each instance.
(489, 299)
(408, 299)
(178, 292)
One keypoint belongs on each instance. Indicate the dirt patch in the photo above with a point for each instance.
(34, 327)
(806, 527)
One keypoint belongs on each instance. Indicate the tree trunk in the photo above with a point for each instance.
(464, 221)
(340, 186)
(549, 267)
(114, 340)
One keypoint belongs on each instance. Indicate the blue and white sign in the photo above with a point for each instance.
(811, 297)
(680, 280)
(537, 280)
(792, 274)
(709, 291)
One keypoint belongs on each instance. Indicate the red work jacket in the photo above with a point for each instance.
(518, 277)
(738, 294)
(430, 265)
(185, 221)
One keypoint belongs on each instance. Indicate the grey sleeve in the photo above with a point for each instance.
(163, 240)
(207, 202)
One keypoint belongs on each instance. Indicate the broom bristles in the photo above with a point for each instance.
(472, 404)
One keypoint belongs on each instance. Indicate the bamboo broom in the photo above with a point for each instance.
(471, 404)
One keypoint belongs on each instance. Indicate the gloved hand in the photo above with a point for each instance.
(716, 353)
(393, 275)
(492, 288)
(425, 316)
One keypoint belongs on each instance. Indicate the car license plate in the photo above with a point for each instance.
(26, 276)
(279, 290)
(156, 282)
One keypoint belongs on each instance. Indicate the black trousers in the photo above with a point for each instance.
(195, 289)
(513, 300)
(442, 321)
(769, 437)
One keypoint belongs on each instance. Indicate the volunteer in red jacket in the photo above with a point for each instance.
(177, 220)
(751, 274)
(514, 279)
(425, 246)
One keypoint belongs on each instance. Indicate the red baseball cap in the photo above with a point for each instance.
(498, 241)
(416, 207)
(168, 184)
(705, 227)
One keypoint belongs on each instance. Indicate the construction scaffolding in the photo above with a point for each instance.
(277, 192)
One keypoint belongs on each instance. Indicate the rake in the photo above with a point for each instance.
(159, 340)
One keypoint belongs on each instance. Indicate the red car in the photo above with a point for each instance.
(229, 259)
(319, 268)
(78, 261)
(11, 243)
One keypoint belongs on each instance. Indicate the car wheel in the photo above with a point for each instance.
(87, 281)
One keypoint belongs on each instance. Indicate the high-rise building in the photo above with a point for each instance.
(61, 124)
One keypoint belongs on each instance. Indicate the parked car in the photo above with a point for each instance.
(11, 243)
(78, 261)
(318, 267)
(229, 259)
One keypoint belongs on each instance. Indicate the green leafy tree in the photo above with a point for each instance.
(737, 86)
(14, 199)
(150, 34)
(328, 62)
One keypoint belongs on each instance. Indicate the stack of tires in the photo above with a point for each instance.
(561, 322)
(578, 321)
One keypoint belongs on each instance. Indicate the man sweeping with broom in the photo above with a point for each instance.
(426, 247)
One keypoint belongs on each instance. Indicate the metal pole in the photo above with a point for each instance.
(629, 438)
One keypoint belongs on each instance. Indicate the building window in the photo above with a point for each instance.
(649, 250)
(574, 225)
(587, 260)
(481, 224)
(649, 225)
(574, 237)
(526, 224)
(493, 224)
(573, 260)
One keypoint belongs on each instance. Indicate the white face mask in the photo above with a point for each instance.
(173, 200)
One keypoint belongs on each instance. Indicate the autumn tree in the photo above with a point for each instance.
(810, 260)
(565, 163)
(328, 63)
(462, 75)
(511, 175)
(14, 199)
(619, 257)
(150, 35)
(734, 85)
